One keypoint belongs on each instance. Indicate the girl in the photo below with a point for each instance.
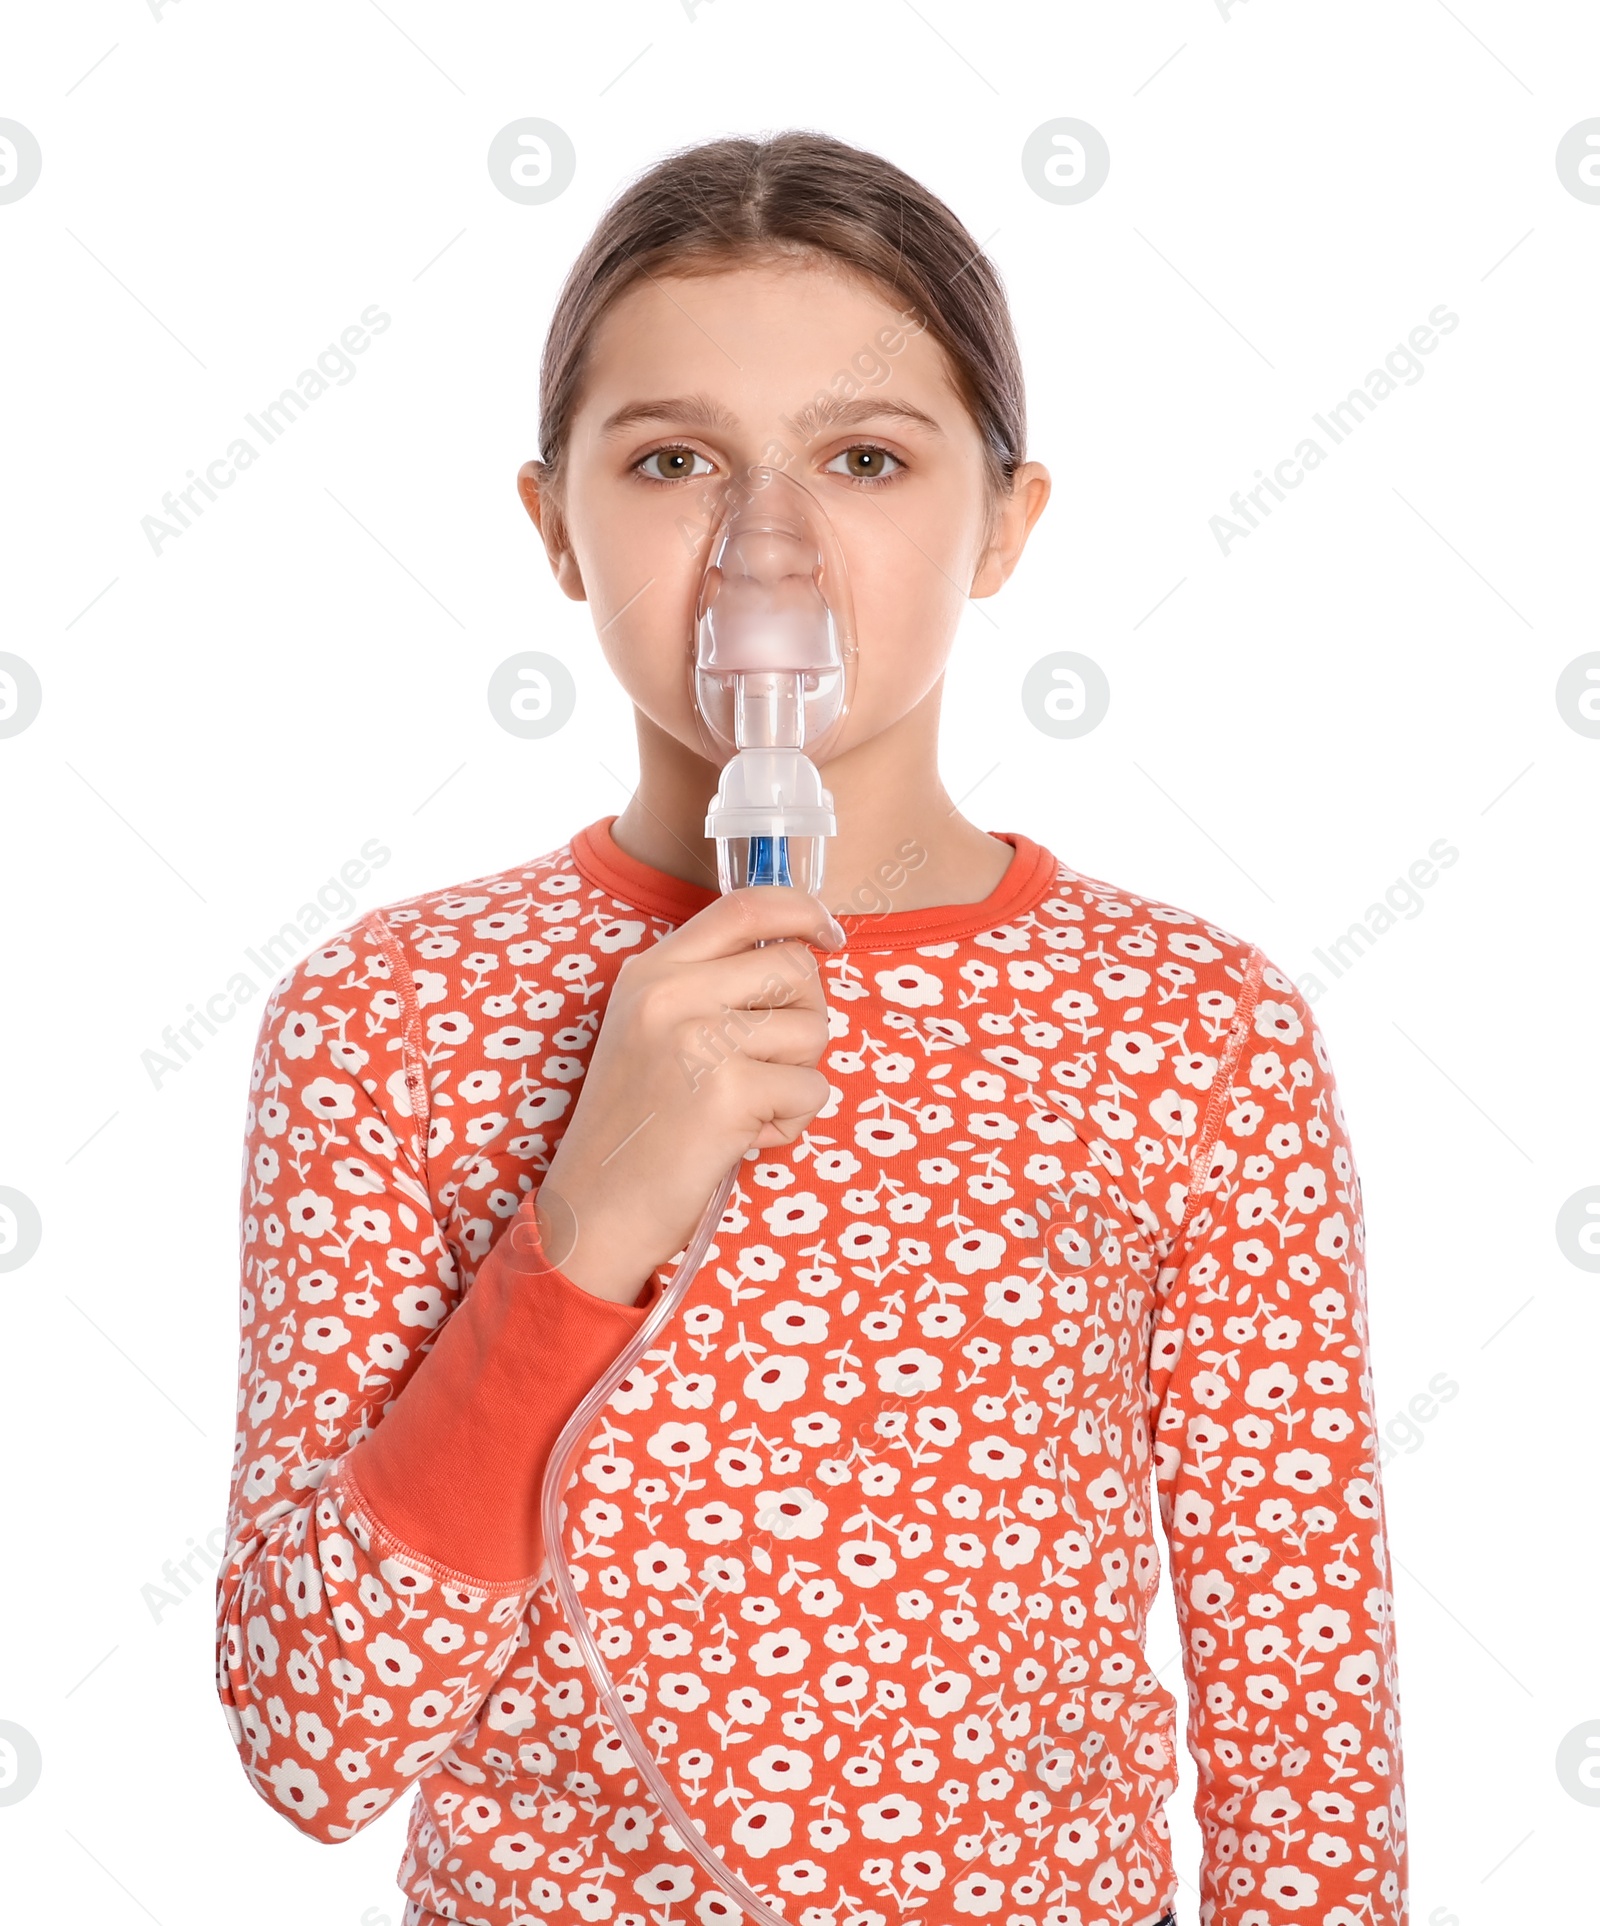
(1046, 1190)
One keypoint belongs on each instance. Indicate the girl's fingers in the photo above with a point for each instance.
(793, 1036)
(748, 916)
(782, 976)
(785, 1097)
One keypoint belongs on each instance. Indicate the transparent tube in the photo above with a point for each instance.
(557, 1472)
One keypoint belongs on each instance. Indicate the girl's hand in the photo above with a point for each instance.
(708, 1048)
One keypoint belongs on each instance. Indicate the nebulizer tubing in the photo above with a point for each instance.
(770, 677)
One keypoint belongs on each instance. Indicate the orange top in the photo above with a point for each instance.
(869, 1537)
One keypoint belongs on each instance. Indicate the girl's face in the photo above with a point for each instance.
(692, 379)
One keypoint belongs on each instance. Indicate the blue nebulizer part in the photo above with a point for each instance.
(771, 673)
(768, 861)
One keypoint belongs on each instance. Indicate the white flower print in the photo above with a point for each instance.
(910, 987)
(910, 1372)
(795, 1216)
(890, 1820)
(776, 1381)
(795, 1513)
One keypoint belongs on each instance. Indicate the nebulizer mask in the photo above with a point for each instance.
(771, 670)
(773, 654)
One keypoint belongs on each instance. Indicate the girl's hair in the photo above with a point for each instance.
(725, 202)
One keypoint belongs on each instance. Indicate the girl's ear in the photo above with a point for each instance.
(1012, 520)
(542, 505)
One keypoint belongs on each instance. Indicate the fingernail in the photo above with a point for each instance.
(836, 934)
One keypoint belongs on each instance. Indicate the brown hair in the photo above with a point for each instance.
(711, 206)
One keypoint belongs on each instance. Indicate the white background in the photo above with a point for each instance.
(1292, 189)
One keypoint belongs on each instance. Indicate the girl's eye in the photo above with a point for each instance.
(672, 464)
(865, 463)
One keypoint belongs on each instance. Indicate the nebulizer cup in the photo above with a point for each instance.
(771, 671)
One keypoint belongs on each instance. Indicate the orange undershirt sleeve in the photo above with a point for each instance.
(454, 1468)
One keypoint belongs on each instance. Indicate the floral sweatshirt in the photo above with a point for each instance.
(868, 1537)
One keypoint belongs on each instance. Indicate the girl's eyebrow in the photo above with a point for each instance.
(698, 410)
(826, 411)
(831, 411)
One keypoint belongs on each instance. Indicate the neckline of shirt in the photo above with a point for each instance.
(1027, 879)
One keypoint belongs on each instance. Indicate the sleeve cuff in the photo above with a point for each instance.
(455, 1463)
